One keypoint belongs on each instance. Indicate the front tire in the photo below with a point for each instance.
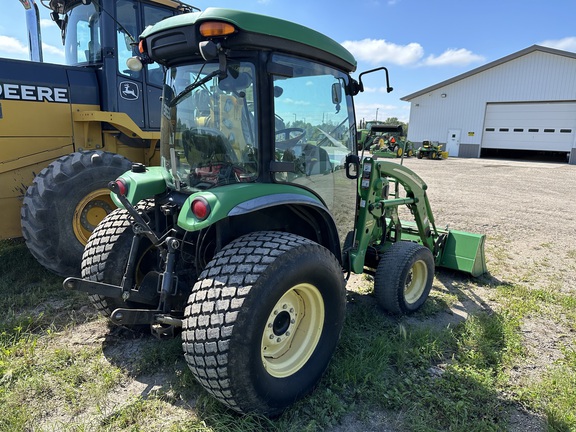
(65, 203)
(404, 277)
(263, 321)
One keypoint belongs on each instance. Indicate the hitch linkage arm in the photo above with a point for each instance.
(141, 225)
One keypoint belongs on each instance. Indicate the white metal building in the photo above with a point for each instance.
(524, 101)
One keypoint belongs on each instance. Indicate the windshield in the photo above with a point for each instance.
(208, 129)
(82, 35)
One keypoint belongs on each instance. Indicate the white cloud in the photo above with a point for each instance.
(290, 101)
(367, 111)
(378, 51)
(565, 44)
(50, 49)
(13, 46)
(453, 57)
(375, 90)
(47, 23)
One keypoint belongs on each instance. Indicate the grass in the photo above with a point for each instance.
(403, 373)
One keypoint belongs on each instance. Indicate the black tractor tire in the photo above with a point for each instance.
(106, 256)
(404, 277)
(420, 155)
(263, 321)
(65, 203)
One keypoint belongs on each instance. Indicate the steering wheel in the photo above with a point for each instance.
(210, 143)
(287, 137)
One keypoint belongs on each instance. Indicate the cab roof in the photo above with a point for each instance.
(256, 31)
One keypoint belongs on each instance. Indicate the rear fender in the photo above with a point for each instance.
(240, 199)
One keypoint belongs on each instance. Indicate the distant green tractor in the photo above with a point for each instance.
(430, 150)
(364, 136)
(388, 141)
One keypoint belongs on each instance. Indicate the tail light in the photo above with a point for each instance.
(200, 208)
(119, 187)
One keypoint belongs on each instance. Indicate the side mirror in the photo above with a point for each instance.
(359, 87)
(336, 93)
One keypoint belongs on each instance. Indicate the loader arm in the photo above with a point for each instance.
(379, 225)
(378, 222)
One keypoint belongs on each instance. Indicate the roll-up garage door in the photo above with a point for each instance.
(530, 126)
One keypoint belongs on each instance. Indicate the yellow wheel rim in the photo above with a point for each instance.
(399, 151)
(292, 330)
(89, 212)
(416, 282)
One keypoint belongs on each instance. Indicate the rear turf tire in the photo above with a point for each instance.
(263, 321)
(106, 256)
(404, 277)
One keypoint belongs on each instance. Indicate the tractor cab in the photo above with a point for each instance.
(102, 34)
(239, 108)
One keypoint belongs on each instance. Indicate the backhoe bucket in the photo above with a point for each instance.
(464, 251)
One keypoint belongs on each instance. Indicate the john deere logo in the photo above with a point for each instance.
(129, 90)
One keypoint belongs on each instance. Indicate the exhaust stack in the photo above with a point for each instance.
(33, 26)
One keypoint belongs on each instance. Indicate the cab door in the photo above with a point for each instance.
(138, 93)
(315, 130)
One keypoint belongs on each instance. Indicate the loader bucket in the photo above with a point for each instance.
(464, 251)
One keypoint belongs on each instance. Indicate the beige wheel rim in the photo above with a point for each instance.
(416, 282)
(292, 330)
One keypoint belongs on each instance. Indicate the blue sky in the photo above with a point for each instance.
(421, 42)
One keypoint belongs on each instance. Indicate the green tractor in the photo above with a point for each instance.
(241, 240)
(364, 138)
(388, 141)
(430, 150)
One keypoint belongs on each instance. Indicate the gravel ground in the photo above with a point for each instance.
(527, 210)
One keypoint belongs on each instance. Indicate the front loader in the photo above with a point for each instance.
(241, 239)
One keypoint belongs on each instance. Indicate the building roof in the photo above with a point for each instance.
(490, 65)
